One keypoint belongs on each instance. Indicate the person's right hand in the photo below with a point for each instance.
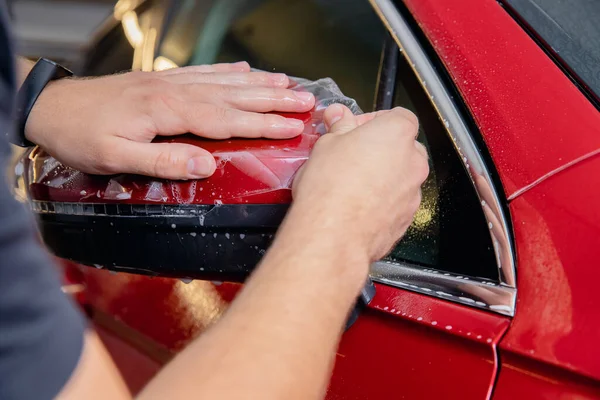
(362, 182)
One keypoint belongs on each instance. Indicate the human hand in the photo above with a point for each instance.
(362, 182)
(106, 125)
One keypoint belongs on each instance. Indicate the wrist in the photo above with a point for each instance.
(42, 116)
(33, 95)
(323, 247)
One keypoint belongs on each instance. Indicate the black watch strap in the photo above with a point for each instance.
(42, 72)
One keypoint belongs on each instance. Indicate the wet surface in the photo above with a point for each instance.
(248, 170)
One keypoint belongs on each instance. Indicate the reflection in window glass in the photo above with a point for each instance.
(449, 232)
(340, 39)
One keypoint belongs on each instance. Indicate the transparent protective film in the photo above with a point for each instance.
(248, 170)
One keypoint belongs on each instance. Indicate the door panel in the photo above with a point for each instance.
(557, 226)
(396, 347)
(525, 378)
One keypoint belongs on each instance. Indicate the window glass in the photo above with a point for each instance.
(450, 232)
(340, 39)
(115, 52)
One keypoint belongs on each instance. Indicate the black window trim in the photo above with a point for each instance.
(498, 297)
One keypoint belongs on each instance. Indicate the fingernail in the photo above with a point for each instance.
(306, 97)
(336, 113)
(200, 167)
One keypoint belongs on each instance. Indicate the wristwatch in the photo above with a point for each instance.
(42, 72)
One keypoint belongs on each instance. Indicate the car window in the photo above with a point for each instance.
(313, 39)
(114, 52)
(449, 232)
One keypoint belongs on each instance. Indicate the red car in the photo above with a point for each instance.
(491, 294)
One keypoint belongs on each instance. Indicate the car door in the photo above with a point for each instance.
(446, 292)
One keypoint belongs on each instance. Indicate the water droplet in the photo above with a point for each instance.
(434, 323)
(448, 327)
(173, 226)
(242, 236)
(193, 234)
(186, 280)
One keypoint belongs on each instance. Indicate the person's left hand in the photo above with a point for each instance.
(106, 125)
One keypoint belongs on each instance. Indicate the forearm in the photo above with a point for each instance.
(280, 335)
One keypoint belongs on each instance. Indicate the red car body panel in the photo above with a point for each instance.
(535, 123)
(403, 339)
(522, 378)
(532, 118)
(558, 231)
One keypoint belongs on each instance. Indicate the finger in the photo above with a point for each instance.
(241, 66)
(165, 160)
(256, 99)
(397, 121)
(266, 79)
(361, 119)
(339, 119)
(208, 120)
(421, 149)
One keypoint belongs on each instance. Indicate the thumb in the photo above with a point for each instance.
(167, 160)
(339, 119)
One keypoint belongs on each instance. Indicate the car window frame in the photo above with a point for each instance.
(495, 296)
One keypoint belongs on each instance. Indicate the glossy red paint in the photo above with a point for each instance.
(135, 367)
(532, 118)
(255, 171)
(248, 171)
(167, 311)
(522, 378)
(557, 229)
(159, 316)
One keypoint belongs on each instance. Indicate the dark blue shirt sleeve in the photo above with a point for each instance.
(41, 331)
